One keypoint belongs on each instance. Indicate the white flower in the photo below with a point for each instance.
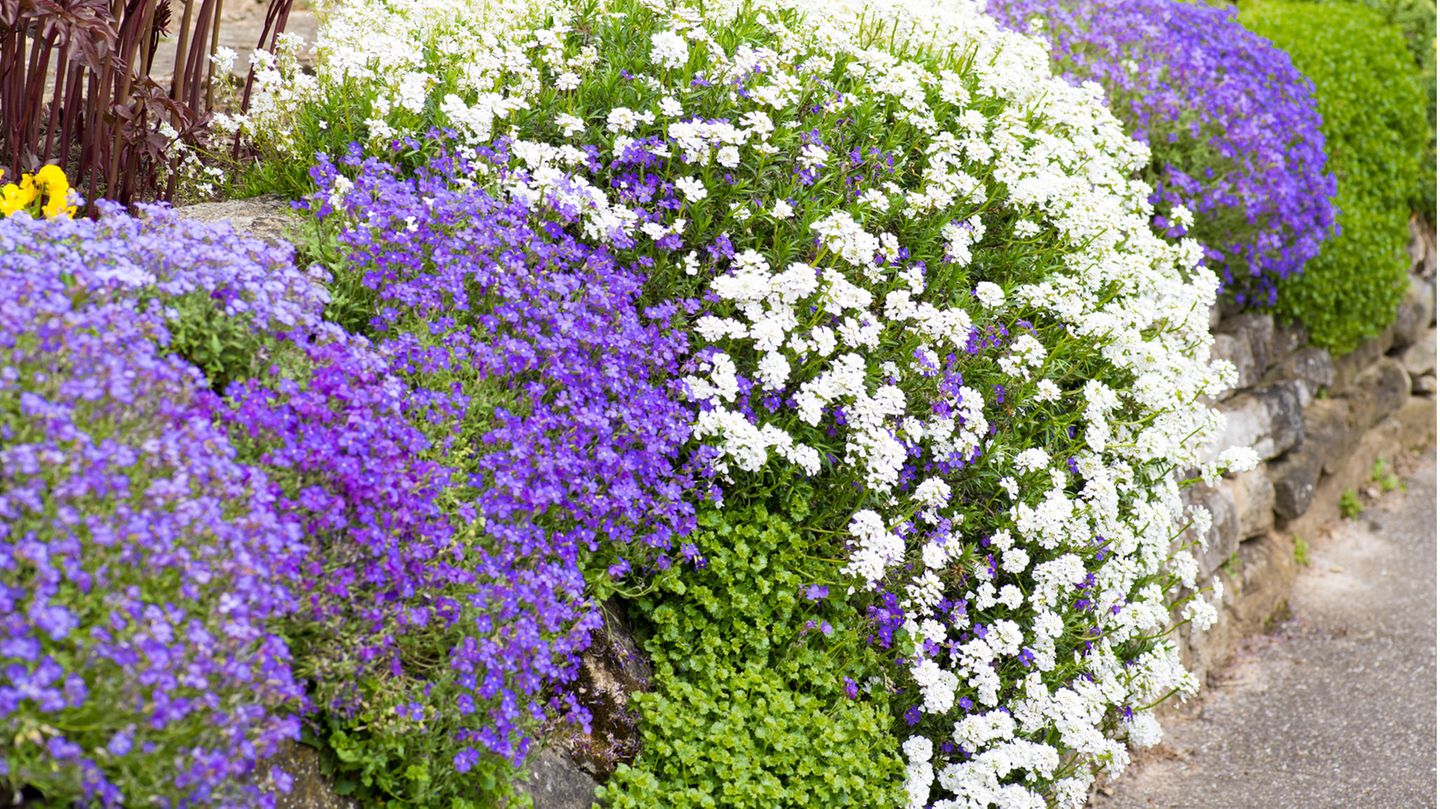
(932, 493)
(671, 108)
(669, 50)
(876, 549)
(570, 125)
(692, 189)
(567, 81)
(937, 686)
(990, 295)
(622, 120)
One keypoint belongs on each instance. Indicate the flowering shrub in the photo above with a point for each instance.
(1235, 138)
(917, 277)
(141, 563)
(1375, 128)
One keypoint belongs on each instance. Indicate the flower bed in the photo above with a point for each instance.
(835, 342)
(141, 562)
(901, 295)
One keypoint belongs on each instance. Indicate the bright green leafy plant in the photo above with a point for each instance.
(1374, 127)
(758, 698)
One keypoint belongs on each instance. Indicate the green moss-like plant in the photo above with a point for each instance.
(750, 706)
(1416, 21)
(1374, 127)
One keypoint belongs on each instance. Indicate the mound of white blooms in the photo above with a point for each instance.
(932, 292)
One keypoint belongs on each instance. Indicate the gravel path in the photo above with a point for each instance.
(1336, 708)
(241, 22)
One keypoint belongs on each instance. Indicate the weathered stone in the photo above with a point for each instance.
(1311, 368)
(268, 218)
(1258, 332)
(1254, 497)
(1419, 359)
(1423, 385)
(611, 670)
(1294, 478)
(1236, 351)
(1349, 367)
(309, 789)
(1267, 419)
(1417, 422)
(1329, 432)
(1287, 424)
(1289, 339)
(553, 781)
(1415, 312)
(1265, 574)
(1223, 537)
(1422, 248)
(1378, 392)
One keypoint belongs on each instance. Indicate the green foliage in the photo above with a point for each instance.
(1416, 20)
(225, 348)
(749, 708)
(380, 759)
(1374, 129)
(1350, 505)
(1302, 550)
(1382, 474)
(1232, 565)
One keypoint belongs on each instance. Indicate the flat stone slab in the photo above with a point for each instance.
(1336, 707)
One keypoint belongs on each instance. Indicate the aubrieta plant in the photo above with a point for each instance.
(917, 275)
(552, 398)
(1237, 155)
(142, 564)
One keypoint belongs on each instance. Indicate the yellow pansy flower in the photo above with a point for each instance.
(51, 180)
(17, 197)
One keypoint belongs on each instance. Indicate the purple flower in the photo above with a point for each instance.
(1231, 123)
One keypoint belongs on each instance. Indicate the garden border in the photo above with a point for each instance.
(1318, 422)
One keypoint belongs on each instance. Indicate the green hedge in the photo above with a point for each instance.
(1375, 132)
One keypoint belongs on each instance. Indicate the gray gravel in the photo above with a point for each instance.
(1336, 708)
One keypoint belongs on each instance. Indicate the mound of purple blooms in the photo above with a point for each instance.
(547, 386)
(141, 563)
(1232, 126)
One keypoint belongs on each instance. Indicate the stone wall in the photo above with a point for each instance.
(1319, 423)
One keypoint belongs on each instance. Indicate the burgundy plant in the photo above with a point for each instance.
(76, 89)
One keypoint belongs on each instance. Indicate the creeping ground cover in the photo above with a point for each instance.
(919, 280)
(832, 343)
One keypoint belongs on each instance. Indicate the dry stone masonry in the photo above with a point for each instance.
(1319, 423)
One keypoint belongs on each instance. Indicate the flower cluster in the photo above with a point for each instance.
(1232, 125)
(546, 388)
(46, 193)
(141, 563)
